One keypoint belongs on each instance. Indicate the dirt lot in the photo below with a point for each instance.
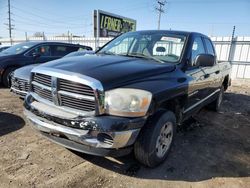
(212, 150)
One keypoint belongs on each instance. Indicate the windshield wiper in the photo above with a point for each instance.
(140, 55)
(106, 53)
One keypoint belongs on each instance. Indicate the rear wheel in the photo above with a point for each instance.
(216, 105)
(6, 76)
(155, 140)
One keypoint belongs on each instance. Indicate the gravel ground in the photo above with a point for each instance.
(211, 150)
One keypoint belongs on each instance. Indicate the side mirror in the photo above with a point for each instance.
(205, 60)
(36, 55)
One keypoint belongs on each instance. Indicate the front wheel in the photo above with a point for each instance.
(155, 140)
(6, 76)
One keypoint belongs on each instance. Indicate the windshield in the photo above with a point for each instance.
(18, 48)
(162, 47)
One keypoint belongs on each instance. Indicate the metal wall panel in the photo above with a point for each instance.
(239, 48)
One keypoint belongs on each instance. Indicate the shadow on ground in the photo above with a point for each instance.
(10, 123)
(209, 145)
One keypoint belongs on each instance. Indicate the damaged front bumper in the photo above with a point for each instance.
(96, 135)
(18, 92)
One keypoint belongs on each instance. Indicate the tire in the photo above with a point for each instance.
(216, 105)
(152, 137)
(6, 76)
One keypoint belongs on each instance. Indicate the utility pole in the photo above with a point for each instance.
(10, 26)
(232, 47)
(160, 11)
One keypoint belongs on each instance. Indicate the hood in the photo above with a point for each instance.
(24, 72)
(110, 70)
(5, 58)
(5, 55)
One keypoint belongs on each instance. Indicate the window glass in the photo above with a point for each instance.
(59, 51)
(42, 50)
(71, 49)
(209, 45)
(19, 48)
(162, 47)
(171, 48)
(197, 48)
(123, 46)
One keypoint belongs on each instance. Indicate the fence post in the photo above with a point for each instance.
(68, 37)
(26, 36)
(43, 36)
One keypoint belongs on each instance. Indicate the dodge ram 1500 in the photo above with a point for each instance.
(129, 96)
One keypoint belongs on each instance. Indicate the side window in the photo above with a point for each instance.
(42, 50)
(209, 45)
(72, 49)
(197, 48)
(59, 51)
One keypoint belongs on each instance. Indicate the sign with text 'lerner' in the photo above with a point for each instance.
(110, 25)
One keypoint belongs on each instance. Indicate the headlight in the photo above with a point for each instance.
(127, 102)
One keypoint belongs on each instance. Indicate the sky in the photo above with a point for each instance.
(55, 17)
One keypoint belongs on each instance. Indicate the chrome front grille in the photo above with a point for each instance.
(44, 93)
(81, 89)
(42, 79)
(78, 104)
(20, 84)
(64, 93)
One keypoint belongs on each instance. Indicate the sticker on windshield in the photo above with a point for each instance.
(171, 39)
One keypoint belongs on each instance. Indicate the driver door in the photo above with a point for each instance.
(40, 54)
(198, 82)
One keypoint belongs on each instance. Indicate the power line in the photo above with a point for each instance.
(41, 17)
(55, 15)
(160, 10)
(47, 26)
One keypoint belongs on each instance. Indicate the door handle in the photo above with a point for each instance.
(206, 75)
(217, 72)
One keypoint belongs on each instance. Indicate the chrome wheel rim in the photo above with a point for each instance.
(164, 140)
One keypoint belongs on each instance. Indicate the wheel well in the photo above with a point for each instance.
(226, 82)
(6, 69)
(10, 67)
(176, 106)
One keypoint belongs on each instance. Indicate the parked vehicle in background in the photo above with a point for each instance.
(130, 96)
(79, 53)
(4, 48)
(32, 53)
(20, 78)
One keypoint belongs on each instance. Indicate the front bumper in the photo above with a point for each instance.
(102, 136)
(18, 92)
(19, 86)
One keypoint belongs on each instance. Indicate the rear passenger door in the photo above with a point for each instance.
(213, 73)
(59, 51)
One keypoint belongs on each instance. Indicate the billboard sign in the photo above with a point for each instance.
(110, 25)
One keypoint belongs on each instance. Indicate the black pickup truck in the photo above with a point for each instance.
(129, 96)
